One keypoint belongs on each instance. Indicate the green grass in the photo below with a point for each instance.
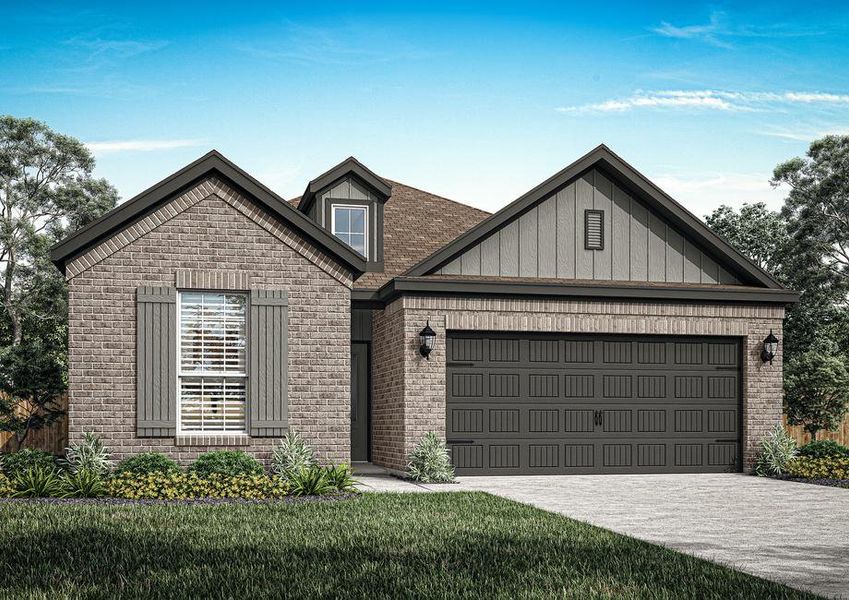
(442, 545)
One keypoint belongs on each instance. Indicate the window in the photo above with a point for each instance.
(350, 224)
(594, 229)
(212, 377)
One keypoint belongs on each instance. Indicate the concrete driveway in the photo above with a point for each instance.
(794, 533)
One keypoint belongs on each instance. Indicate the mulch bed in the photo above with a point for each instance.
(841, 483)
(191, 501)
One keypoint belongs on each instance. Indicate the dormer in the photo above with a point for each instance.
(348, 201)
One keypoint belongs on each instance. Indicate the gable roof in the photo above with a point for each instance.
(348, 166)
(606, 160)
(415, 224)
(211, 163)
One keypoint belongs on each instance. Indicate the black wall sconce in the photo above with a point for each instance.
(427, 336)
(770, 347)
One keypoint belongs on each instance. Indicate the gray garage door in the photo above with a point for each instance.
(560, 404)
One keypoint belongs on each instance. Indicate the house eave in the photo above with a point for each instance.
(401, 286)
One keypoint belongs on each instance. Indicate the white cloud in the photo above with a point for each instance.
(115, 146)
(723, 100)
(703, 193)
(719, 30)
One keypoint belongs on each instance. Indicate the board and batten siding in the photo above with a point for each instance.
(346, 189)
(547, 241)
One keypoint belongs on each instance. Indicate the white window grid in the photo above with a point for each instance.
(212, 376)
(345, 235)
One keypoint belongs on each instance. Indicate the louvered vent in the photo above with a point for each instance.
(594, 229)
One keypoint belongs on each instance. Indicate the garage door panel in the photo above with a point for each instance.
(580, 404)
(556, 457)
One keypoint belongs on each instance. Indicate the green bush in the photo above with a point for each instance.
(89, 455)
(291, 455)
(180, 486)
(819, 468)
(6, 489)
(147, 462)
(824, 449)
(777, 450)
(16, 463)
(310, 481)
(83, 483)
(430, 462)
(341, 478)
(38, 482)
(226, 462)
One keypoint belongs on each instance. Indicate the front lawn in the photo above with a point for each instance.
(378, 546)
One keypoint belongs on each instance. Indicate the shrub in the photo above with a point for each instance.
(226, 462)
(819, 468)
(777, 450)
(430, 461)
(341, 478)
(38, 482)
(89, 455)
(310, 481)
(147, 462)
(180, 486)
(6, 489)
(83, 483)
(18, 462)
(824, 449)
(291, 455)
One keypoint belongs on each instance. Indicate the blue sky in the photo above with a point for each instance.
(477, 102)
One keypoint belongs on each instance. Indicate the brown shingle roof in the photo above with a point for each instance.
(416, 224)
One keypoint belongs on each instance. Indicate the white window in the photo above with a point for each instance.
(212, 377)
(350, 224)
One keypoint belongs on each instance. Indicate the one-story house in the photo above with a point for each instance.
(593, 325)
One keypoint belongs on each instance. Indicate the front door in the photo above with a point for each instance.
(359, 402)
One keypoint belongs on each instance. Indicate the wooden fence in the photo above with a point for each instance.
(841, 436)
(52, 439)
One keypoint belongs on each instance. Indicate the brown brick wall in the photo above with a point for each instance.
(210, 234)
(421, 400)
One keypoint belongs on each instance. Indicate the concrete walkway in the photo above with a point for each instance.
(794, 533)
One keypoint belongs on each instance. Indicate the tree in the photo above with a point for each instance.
(816, 391)
(46, 189)
(759, 233)
(817, 206)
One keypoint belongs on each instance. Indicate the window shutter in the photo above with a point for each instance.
(156, 361)
(268, 365)
(594, 230)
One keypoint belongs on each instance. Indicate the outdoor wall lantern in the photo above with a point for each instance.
(428, 341)
(770, 347)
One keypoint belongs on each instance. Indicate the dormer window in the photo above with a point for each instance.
(350, 224)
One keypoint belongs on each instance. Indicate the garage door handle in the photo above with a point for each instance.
(461, 364)
(728, 440)
(460, 442)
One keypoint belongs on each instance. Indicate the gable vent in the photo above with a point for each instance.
(594, 229)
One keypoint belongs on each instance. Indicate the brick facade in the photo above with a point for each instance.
(208, 237)
(410, 391)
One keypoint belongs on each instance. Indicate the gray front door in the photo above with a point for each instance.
(558, 404)
(359, 401)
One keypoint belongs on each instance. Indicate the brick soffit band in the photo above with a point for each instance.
(210, 187)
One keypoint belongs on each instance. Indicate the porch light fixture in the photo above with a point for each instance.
(427, 336)
(770, 347)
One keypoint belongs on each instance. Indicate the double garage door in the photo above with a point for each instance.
(561, 404)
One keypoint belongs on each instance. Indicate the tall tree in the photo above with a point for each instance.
(46, 190)
(817, 207)
(759, 233)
